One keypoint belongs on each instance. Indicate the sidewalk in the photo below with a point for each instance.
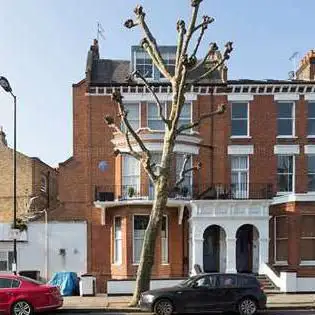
(120, 303)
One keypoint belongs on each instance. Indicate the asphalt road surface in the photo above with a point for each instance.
(291, 312)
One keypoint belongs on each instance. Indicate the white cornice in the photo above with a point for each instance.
(240, 149)
(240, 97)
(293, 197)
(287, 97)
(286, 149)
(309, 149)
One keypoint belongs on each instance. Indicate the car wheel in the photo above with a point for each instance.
(22, 308)
(163, 307)
(247, 307)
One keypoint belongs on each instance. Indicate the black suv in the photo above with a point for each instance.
(206, 293)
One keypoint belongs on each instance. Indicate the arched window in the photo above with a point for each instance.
(43, 183)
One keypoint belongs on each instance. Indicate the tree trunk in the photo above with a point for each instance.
(159, 204)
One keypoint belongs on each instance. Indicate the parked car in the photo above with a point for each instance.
(206, 293)
(20, 295)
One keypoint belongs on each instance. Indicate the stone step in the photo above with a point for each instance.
(267, 284)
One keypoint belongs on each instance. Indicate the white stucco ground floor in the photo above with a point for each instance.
(47, 248)
(229, 235)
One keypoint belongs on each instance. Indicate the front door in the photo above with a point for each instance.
(244, 249)
(211, 249)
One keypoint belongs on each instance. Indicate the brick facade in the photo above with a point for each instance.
(30, 172)
(80, 177)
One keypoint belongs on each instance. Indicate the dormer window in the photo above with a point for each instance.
(144, 64)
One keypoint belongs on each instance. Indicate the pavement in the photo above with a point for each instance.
(119, 304)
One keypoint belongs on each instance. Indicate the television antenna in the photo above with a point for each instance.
(293, 59)
(100, 31)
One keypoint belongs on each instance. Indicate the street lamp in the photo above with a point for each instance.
(4, 83)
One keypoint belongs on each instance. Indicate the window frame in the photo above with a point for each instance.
(308, 119)
(239, 171)
(166, 240)
(279, 262)
(7, 252)
(191, 130)
(134, 262)
(293, 174)
(115, 261)
(309, 173)
(124, 186)
(158, 118)
(248, 120)
(293, 119)
(133, 103)
(137, 55)
(307, 262)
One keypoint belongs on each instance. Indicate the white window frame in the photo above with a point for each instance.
(134, 262)
(139, 54)
(167, 56)
(278, 262)
(239, 171)
(191, 118)
(308, 118)
(123, 175)
(164, 241)
(120, 249)
(292, 118)
(139, 114)
(248, 120)
(157, 118)
(293, 175)
(308, 173)
(6, 260)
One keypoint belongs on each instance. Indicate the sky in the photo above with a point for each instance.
(44, 45)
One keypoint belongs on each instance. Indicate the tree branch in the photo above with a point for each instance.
(220, 110)
(204, 25)
(158, 103)
(145, 157)
(184, 171)
(158, 60)
(181, 29)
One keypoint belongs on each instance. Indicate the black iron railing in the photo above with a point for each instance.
(187, 192)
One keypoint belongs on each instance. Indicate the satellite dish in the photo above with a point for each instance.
(103, 166)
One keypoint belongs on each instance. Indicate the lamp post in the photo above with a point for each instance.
(4, 83)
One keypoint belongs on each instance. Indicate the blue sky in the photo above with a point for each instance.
(43, 48)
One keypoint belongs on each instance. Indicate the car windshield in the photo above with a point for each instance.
(31, 280)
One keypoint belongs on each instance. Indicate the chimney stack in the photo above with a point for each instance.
(3, 140)
(306, 70)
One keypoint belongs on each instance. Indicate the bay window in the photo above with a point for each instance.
(154, 120)
(118, 241)
(140, 224)
(281, 239)
(311, 119)
(133, 116)
(311, 172)
(164, 240)
(308, 239)
(130, 176)
(186, 185)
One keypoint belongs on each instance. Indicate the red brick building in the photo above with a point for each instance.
(251, 208)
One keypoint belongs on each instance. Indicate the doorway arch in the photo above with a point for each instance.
(247, 249)
(214, 249)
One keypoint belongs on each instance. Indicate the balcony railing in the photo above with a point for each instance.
(192, 192)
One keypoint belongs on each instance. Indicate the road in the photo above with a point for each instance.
(291, 312)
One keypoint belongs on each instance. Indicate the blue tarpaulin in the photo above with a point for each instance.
(66, 281)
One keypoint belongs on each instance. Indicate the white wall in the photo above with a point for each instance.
(71, 236)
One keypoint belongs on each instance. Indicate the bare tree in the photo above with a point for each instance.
(186, 63)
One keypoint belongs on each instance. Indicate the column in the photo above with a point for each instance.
(197, 254)
(263, 253)
(231, 255)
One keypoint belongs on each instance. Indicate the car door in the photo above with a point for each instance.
(202, 295)
(6, 295)
(227, 291)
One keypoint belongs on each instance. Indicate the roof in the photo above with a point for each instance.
(110, 71)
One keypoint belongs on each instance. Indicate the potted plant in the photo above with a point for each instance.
(131, 192)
